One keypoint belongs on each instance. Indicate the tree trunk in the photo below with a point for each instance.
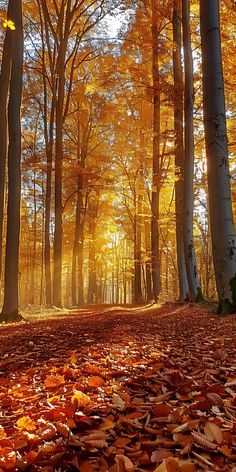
(221, 220)
(149, 295)
(179, 150)
(190, 257)
(92, 282)
(4, 88)
(156, 156)
(79, 231)
(137, 253)
(47, 246)
(10, 309)
(57, 276)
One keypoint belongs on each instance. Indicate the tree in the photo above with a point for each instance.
(10, 309)
(189, 250)
(4, 89)
(156, 155)
(179, 150)
(221, 219)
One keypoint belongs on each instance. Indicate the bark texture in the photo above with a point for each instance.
(190, 257)
(220, 209)
(156, 156)
(4, 89)
(179, 150)
(10, 309)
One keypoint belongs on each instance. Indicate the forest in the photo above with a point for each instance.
(117, 235)
(117, 153)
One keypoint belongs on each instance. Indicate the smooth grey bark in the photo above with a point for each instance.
(220, 209)
(137, 250)
(179, 150)
(92, 275)
(190, 256)
(156, 280)
(148, 273)
(10, 309)
(4, 89)
(77, 256)
(57, 274)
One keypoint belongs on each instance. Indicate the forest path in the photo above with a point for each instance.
(155, 385)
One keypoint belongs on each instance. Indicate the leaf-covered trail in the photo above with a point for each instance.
(119, 390)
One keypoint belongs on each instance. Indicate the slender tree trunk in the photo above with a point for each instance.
(221, 219)
(10, 309)
(57, 277)
(117, 278)
(147, 228)
(156, 156)
(92, 282)
(49, 156)
(32, 285)
(179, 150)
(137, 254)
(47, 245)
(79, 231)
(4, 89)
(190, 257)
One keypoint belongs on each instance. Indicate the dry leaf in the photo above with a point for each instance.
(160, 454)
(79, 398)
(231, 382)
(53, 381)
(215, 399)
(95, 381)
(118, 402)
(126, 462)
(202, 440)
(168, 465)
(213, 432)
(26, 423)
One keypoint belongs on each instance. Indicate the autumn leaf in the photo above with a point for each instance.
(26, 423)
(79, 398)
(125, 461)
(9, 24)
(118, 402)
(53, 381)
(2, 432)
(95, 381)
(213, 432)
(7, 457)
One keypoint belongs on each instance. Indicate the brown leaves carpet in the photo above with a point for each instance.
(147, 389)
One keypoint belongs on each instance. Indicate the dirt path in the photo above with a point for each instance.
(115, 390)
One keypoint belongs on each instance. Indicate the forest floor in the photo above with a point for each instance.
(145, 389)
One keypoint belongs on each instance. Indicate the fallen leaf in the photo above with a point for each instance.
(53, 381)
(95, 381)
(213, 432)
(26, 423)
(79, 398)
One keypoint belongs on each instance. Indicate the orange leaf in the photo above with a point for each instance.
(95, 381)
(79, 398)
(2, 433)
(54, 381)
(7, 457)
(25, 423)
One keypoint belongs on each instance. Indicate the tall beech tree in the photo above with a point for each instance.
(179, 149)
(221, 219)
(4, 89)
(156, 154)
(10, 310)
(189, 249)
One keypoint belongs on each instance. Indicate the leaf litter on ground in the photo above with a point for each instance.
(150, 390)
